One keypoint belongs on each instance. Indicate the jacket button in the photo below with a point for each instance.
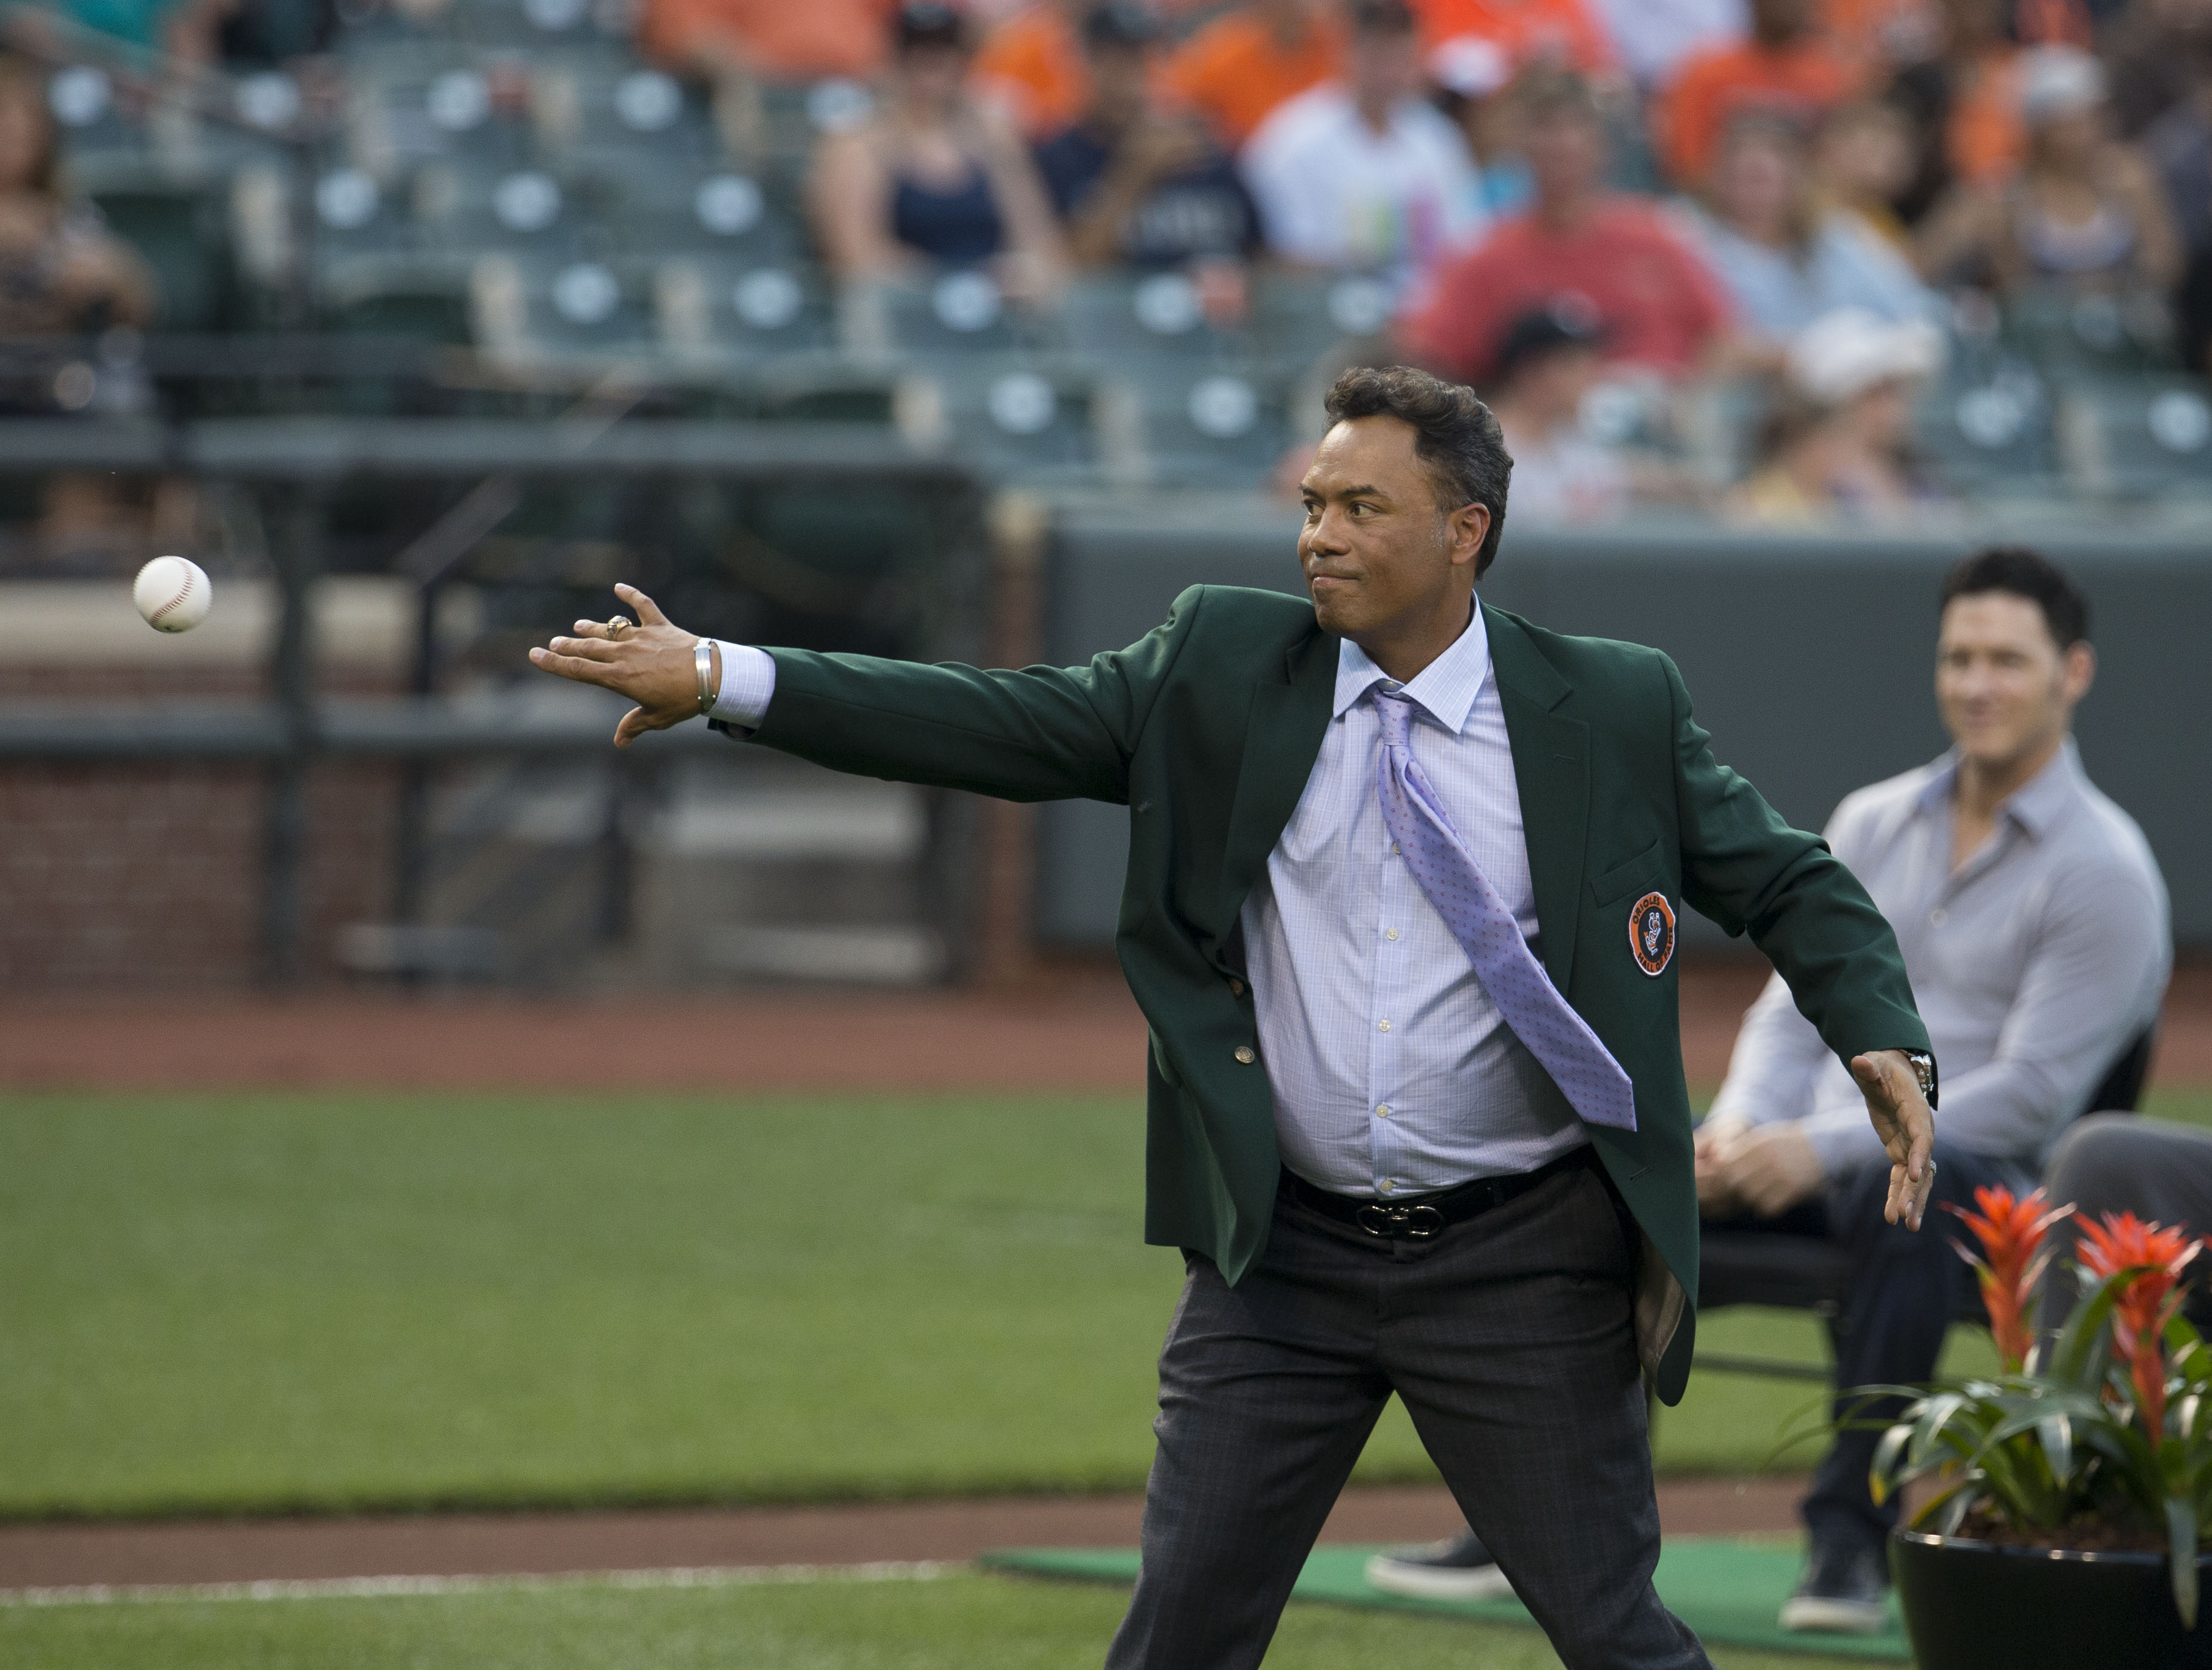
(1245, 1055)
(1235, 988)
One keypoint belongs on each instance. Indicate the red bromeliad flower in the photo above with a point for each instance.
(2011, 1263)
(2146, 1304)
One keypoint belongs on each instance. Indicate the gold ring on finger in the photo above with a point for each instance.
(617, 626)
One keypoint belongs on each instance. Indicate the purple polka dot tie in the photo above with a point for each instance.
(1583, 1069)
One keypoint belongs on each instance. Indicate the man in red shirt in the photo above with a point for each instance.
(1785, 68)
(1658, 306)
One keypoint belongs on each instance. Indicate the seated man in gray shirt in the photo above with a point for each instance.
(2033, 923)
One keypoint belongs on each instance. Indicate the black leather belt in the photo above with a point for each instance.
(1424, 1217)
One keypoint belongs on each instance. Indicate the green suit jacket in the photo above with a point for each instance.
(1207, 729)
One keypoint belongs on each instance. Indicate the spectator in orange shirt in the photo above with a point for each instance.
(1657, 305)
(1237, 69)
(1033, 64)
(1565, 33)
(1783, 69)
(775, 41)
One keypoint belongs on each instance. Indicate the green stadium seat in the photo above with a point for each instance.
(2142, 437)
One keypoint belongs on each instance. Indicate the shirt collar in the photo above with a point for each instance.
(2035, 806)
(1445, 689)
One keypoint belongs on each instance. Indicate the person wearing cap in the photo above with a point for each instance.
(1836, 446)
(1544, 370)
(1787, 257)
(933, 178)
(1567, 34)
(1363, 173)
(1032, 63)
(1135, 184)
(1661, 308)
(2085, 212)
(1248, 62)
(2035, 929)
(1784, 67)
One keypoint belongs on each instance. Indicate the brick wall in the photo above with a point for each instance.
(147, 877)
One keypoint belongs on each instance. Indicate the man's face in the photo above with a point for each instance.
(2005, 689)
(1383, 69)
(1121, 89)
(1566, 153)
(1378, 552)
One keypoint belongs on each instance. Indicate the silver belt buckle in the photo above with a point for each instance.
(1401, 1223)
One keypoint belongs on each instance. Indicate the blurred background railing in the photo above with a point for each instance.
(419, 323)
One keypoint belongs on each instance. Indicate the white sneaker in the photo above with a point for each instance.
(1457, 1568)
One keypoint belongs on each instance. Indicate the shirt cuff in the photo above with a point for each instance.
(748, 685)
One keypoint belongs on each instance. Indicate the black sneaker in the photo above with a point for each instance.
(1842, 1592)
(1457, 1568)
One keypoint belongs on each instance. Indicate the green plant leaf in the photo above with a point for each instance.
(2181, 1556)
(2078, 1359)
(2056, 1434)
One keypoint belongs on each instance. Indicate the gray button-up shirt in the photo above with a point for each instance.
(2035, 965)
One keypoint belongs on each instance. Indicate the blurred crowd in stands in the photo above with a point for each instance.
(1787, 261)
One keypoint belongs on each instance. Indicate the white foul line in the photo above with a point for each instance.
(317, 1588)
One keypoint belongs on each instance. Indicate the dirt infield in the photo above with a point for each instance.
(1073, 1028)
(231, 1552)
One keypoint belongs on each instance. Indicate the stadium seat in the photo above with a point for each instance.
(1987, 434)
(1208, 424)
(957, 311)
(715, 306)
(2141, 437)
(560, 310)
(1019, 416)
(1156, 316)
(526, 211)
(715, 211)
(2066, 335)
(637, 117)
(1297, 316)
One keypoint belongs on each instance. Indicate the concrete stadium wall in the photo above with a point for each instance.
(1810, 660)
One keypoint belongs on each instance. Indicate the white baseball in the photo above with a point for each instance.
(173, 593)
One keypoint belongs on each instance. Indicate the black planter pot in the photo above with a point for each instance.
(1972, 1606)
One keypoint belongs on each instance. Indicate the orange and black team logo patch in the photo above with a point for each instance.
(1651, 933)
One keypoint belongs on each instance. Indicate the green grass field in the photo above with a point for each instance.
(269, 1303)
(961, 1622)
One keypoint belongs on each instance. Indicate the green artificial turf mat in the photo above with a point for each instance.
(1727, 1591)
(961, 1620)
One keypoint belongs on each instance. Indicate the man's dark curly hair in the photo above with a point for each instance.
(1454, 434)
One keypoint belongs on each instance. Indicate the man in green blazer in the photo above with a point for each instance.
(1401, 913)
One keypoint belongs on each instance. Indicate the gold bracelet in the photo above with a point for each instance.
(703, 663)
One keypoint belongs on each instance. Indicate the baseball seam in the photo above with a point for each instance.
(183, 592)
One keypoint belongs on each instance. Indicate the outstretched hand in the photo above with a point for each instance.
(652, 663)
(1907, 1126)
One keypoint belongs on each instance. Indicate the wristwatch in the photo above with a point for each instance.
(1924, 1069)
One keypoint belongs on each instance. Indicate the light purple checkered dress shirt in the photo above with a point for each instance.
(1391, 1069)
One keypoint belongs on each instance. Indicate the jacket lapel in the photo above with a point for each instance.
(1282, 739)
(1551, 767)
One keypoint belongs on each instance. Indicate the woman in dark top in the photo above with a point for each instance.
(933, 177)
